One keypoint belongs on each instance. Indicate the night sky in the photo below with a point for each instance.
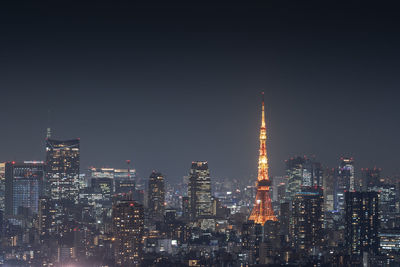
(166, 84)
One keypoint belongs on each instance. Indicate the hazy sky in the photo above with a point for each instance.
(167, 84)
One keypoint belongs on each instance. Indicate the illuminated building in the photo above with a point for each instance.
(306, 228)
(128, 227)
(104, 186)
(362, 223)
(24, 183)
(44, 216)
(344, 182)
(156, 196)
(123, 179)
(387, 204)
(62, 169)
(390, 241)
(262, 210)
(329, 178)
(199, 190)
(302, 171)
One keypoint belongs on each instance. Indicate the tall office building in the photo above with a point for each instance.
(128, 228)
(302, 172)
(344, 182)
(156, 196)
(362, 223)
(306, 228)
(199, 190)
(24, 183)
(62, 169)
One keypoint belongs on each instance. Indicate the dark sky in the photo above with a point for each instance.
(166, 84)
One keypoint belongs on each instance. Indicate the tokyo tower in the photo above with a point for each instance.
(262, 210)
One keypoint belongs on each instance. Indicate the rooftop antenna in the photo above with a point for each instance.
(48, 130)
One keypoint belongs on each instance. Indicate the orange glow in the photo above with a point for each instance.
(262, 210)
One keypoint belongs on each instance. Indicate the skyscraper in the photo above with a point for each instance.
(306, 228)
(362, 223)
(62, 169)
(302, 171)
(344, 181)
(128, 227)
(156, 196)
(262, 210)
(24, 183)
(199, 190)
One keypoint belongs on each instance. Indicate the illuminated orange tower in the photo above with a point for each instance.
(262, 210)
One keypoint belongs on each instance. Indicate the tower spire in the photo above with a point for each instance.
(262, 210)
(263, 112)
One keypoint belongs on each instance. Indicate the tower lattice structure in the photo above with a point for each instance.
(262, 210)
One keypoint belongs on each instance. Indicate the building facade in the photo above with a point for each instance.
(306, 227)
(199, 190)
(23, 186)
(362, 223)
(344, 182)
(128, 228)
(62, 169)
(156, 196)
(302, 171)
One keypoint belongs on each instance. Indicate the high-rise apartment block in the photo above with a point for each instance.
(128, 228)
(306, 227)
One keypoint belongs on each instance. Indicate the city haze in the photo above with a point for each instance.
(168, 85)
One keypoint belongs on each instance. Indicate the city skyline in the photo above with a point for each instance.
(132, 134)
(105, 77)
